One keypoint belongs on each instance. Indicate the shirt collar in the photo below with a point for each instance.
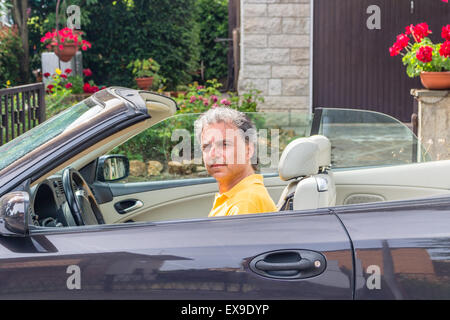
(243, 184)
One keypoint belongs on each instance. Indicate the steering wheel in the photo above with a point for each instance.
(81, 200)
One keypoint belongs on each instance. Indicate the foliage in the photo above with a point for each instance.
(58, 90)
(10, 51)
(162, 29)
(213, 23)
(62, 86)
(77, 83)
(422, 55)
(200, 98)
(179, 34)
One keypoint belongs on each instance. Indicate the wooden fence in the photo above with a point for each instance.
(22, 108)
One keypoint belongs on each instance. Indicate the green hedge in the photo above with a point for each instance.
(122, 31)
(178, 34)
(213, 23)
(10, 50)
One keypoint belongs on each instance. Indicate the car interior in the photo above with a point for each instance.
(305, 180)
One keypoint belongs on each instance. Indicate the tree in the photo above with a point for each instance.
(20, 16)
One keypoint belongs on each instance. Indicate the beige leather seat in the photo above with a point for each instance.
(306, 162)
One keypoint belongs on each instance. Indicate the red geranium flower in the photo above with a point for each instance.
(445, 49)
(87, 72)
(402, 40)
(63, 76)
(68, 71)
(46, 74)
(446, 32)
(425, 54)
(87, 88)
(419, 31)
(68, 85)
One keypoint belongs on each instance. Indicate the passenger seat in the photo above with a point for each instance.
(306, 161)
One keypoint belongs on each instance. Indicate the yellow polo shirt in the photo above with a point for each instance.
(248, 196)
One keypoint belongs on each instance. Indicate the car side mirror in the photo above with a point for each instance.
(112, 167)
(14, 213)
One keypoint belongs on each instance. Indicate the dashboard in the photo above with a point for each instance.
(49, 204)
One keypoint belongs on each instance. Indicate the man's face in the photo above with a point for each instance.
(224, 150)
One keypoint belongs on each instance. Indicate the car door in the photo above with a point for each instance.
(402, 249)
(291, 255)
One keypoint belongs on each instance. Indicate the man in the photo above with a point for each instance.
(228, 139)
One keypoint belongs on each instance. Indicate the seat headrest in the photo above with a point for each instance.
(324, 150)
(299, 158)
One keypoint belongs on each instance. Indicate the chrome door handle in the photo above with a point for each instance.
(127, 206)
(137, 205)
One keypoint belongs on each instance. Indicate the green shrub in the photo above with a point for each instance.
(123, 31)
(213, 23)
(10, 50)
(179, 34)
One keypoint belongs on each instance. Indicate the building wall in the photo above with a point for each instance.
(275, 52)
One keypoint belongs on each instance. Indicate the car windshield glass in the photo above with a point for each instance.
(362, 138)
(42, 133)
(169, 150)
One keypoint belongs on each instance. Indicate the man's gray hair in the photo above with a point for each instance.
(227, 115)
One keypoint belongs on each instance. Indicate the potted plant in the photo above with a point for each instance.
(423, 58)
(65, 43)
(145, 72)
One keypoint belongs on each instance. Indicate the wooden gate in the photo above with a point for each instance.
(352, 67)
(22, 108)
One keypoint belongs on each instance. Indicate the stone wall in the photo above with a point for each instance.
(434, 122)
(275, 40)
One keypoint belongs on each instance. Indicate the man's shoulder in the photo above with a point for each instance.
(256, 196)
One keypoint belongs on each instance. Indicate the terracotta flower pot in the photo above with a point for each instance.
(68, 51)
(435, 80)
(144, 83)
(175, 94)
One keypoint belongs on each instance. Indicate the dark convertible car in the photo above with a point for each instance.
(78, 220)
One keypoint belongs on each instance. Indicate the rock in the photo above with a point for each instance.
(188, 167)
(175, 167)
(154, 168)
(137, 168)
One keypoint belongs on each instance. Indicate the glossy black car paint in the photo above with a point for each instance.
(408, 242)
(196, 259)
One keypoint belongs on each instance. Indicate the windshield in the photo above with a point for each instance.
(42, 133)
(362, 138)
(169, 150)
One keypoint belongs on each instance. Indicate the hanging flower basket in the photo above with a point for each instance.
(66, 52)
(65, 43)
